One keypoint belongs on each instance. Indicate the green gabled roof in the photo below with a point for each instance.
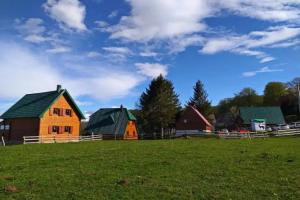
(130, 116)
(272, 115)
(35, 105)
(110, 121)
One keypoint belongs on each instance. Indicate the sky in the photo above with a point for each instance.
(105, 53)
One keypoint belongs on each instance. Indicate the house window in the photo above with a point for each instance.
(134, 133)
(68, 129)
(69, 112)
(56, 111)
(6, 127)
(55, 129)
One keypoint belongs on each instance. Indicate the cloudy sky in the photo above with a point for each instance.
(106, 52)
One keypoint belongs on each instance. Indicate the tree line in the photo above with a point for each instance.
(159, 106)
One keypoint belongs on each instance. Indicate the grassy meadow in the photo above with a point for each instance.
(162, 169)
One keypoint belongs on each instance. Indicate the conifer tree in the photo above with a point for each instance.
(159, 105)
(200, 99)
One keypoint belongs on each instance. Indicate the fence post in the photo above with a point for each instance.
(3, 142)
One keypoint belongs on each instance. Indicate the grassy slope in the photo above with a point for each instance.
(170, 169)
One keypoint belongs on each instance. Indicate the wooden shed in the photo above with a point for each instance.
(42, 114)
(192, 122)
(113, 123)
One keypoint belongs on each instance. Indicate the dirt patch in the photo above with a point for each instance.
(11, 189)
(8, 178)
(123, 182)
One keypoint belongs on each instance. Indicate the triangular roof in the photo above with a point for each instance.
(110, 121)
(35, 105)
(272, 115)
(200, 116)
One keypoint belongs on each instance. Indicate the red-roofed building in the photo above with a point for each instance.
(192, 122)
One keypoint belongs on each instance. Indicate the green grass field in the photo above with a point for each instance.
(165, 169)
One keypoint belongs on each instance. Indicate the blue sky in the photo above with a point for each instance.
(106, 52)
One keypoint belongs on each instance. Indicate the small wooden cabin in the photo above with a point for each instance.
(113, 123)
(42, 114)
(192, 122)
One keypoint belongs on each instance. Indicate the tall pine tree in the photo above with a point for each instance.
(200, 99)
(159, 105)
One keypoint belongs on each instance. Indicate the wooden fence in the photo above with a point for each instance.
(279, 133)
(59, 139)
(242, 135)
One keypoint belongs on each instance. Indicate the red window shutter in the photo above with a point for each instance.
(71, 112)
(50, 111)
(71, 129)
(50, 129)
(62, 112)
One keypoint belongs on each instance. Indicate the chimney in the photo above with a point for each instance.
(58, 88)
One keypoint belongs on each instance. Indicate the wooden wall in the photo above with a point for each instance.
(21, 127)
(61, 121)
(131, 131)
(191, 121)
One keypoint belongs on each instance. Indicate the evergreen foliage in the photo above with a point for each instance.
(159, 106)
(200, 99)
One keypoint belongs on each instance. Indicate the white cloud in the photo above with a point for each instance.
(101, 24)
(59, 49)
(113, 14)
(244, 44)
(271, 36)
(152, 70)
(32, 30)
(286, 44)
(158, 19)
(35, 38)
(93, 54)
(179, 44)
(269, 10)
(262, 70)
(118, 53)
(69, 13)
(155, 19)
(148, 54)
(31, 26)
(182, 23)
(267, 59)
(33, 72)
(118, 50)
(215, 45)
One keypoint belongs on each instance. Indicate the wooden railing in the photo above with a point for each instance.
(59, 139)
